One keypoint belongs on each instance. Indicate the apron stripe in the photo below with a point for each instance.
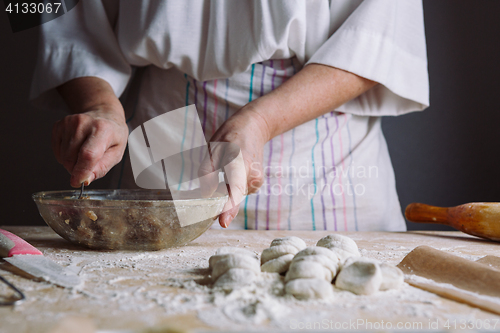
(340, 177)
(290, 168)
(193, 137)
(184, 133)
(205, 99)
(314, 175)
(350, 180)
(270, 158)
(334, 174)
(258, 195)
(291, 181)
(225, 100)
(249, 100)
(279, 182)
(324, 173)
(216, 103)
(281, 158)
(204, 116)
(269, 183)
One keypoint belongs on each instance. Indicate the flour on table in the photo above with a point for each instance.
(175, 282)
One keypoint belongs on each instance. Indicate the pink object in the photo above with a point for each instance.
(20, 245)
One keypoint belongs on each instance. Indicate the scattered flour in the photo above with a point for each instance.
(176, 282)
(153, 285)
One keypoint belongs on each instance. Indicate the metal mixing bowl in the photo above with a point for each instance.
(128, 219)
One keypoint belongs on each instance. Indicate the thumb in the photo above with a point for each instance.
(110, 158)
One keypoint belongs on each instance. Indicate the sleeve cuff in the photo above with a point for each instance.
(403, 77)
(58, 65)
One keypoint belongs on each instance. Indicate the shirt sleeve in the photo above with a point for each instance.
(384, 41)
(77, 44)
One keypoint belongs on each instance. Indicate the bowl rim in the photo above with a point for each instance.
(70, 197)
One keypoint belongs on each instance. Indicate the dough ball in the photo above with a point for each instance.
(305, 269)
(320, 259)
(309, 288)
(341, 242)
(314, 250)
(274, 252)
(277, 258)
(361, 276)
(238, 250)
(278, 265)
(235, 277)
(392, 277)
(342, 255)
(230, 261)
(228, 250)
(291, 240)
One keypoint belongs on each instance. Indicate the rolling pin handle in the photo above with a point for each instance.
(422, 213)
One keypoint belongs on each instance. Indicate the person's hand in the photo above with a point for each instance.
(89, 144)
(248, 132)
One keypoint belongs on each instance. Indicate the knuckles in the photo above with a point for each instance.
(89, 155)
(254, 183)
(76, 121)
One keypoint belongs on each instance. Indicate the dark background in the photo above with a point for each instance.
(446, 155)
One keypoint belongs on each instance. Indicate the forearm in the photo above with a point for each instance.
(90, 93)
(312, 92)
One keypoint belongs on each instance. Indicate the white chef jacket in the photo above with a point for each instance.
(331, 173)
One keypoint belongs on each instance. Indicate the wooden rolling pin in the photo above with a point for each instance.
(480, 219)
(474, 283)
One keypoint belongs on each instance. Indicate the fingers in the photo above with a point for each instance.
(111, 157)
(240, 176)
(228, 216)
(208, 171)
(88, 147)
(218, 156)
(89, 155)
(236, 178)
(76, 131)
(255, 177)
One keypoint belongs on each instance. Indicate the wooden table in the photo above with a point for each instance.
(130, 291)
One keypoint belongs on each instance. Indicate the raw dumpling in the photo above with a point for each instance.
(309, 288)
(343, 246)
(308, 267)
(219, 254)
(365, 276)
(229, 270)
(360, 276)
(277, 257)
(235, 277)
(392, 277)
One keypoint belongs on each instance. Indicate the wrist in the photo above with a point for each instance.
(258, 114)
(113, 112)
(87, 94)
